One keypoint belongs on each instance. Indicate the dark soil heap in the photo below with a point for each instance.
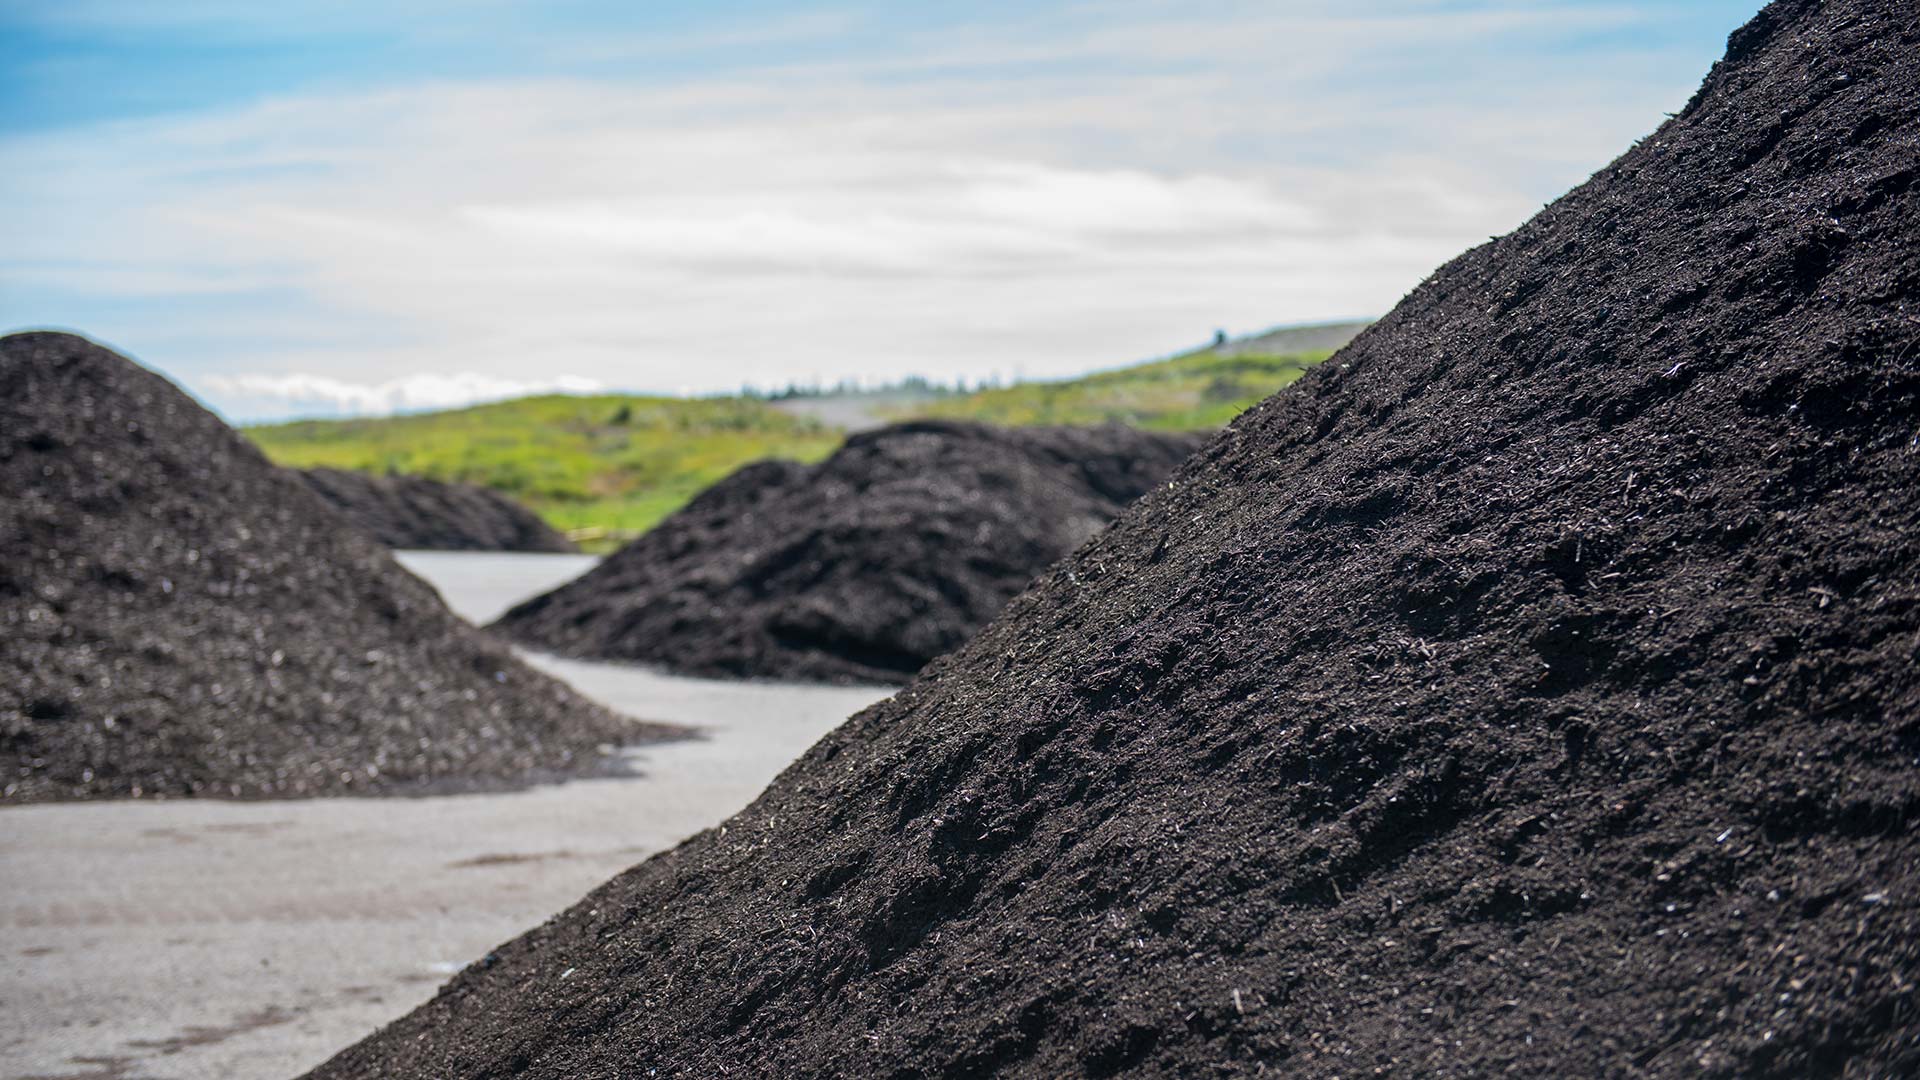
(896, 549)
(415, 512)
(180, 617)
(1530, 691)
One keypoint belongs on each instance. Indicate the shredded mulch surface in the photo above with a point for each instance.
(1532, 690)
(896, 549)
(178, 616)
(419, 513)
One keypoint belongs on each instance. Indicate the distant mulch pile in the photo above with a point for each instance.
(178, 616)
(415, 512)
(860, 569)
(1532, 690)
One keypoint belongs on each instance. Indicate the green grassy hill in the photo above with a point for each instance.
(620, 463)
(611, 461)
(1187, 393)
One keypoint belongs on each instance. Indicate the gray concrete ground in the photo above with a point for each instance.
(201, 939)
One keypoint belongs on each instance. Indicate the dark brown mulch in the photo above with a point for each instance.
(896, 549)
(1533, 690)
(419, 513)
(180, 617)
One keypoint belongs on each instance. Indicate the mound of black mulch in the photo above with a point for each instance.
(416, 512)
(860, 569)
(1532, 690)
(180, 617)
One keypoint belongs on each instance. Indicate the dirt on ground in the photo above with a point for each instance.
(860, 569)
(1532, 690)
(178, 616)
(417, 513)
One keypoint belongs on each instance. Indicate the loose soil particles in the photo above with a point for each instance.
(181, 617)
(418, 513)
(896, 549)
(1532, 690)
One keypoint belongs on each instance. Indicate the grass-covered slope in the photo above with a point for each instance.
(622, 463)
(609, 461)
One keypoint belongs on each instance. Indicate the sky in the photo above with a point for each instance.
(320, 207)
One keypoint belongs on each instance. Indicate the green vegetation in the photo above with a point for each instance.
(1187, 393)
(616, 462)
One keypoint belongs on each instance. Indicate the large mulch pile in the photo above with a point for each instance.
(862, 568)
(416, 512)
(1533, 690)
(180, 617)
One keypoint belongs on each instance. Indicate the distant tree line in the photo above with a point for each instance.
(917, 385)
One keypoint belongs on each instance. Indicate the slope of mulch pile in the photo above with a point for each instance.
(862, 568)
(180, 617)
(1531, 691)
(416, 512)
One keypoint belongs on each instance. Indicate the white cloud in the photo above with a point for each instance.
(307, 394)
(899, 216)
(940, 221)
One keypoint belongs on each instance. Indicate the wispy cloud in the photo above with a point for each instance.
(962, 218)
(1032, 194)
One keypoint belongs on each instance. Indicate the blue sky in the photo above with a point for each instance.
(307, 207)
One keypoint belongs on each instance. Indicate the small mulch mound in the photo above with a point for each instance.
(862, 568)
(178, 616)
(415, 512)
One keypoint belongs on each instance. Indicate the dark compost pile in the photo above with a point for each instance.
(862, 568)
(1532, 690)
(181, 617)
(416, 512)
